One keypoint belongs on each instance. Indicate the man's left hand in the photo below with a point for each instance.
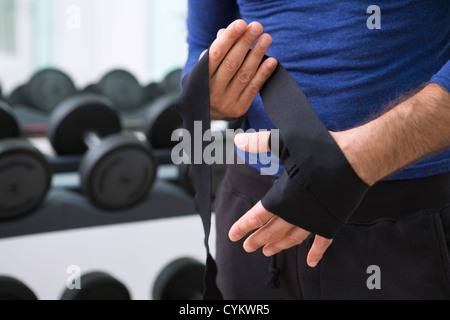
(272, 232)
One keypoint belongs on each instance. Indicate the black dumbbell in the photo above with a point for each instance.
(98, 286)
(14, 289)
(153, 91)
(47, 88)
(122, 88)
(17, 96)
(172, 81)
(161, 121)
(181, 279)
(25, 174)
(44, 90)
(118, 170)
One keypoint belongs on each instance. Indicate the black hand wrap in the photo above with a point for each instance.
(318, 191)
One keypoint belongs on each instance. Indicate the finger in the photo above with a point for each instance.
(318, 248)
(235, 57)
(293, 237)
(256, 142)
(251, 64)
(220, 32)
(255, 85)
(272, 231)
(256, 217)
(220, 47)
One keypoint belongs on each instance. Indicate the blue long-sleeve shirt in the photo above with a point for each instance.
(348, 71)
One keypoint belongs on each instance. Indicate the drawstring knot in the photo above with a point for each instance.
(272, 278)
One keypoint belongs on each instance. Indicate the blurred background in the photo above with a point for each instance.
(86, 39)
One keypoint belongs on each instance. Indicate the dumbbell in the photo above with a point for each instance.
(161, 121)
(44, 90)
(25, 174)
(14, 289)
(172, 81)
(47, 88)
(117, 170)
(181, 279)
(153, 91)
(98, 286)
(17, 96)
(123, 89)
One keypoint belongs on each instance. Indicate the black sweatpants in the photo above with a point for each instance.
(395, 246)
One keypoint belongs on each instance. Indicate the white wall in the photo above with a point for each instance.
(15, 67)
(146, 37)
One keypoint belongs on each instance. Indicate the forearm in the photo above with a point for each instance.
(416, 128)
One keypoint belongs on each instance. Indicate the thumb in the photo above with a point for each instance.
(256, 142)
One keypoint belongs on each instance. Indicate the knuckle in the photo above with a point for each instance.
(238, 230)
(214, 93)
(248, 40)
(244, 76)
(230, 64)
(235, 111)
(255, 221)
(266, 72)
(293, 240)
(253, 89)
(322, 243)
(220, 32)
(259, 51)
(271, 236)
(215, 53)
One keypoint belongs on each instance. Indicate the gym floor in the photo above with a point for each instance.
(133, 253)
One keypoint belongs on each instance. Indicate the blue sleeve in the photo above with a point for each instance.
(443, 76)
(205, 18)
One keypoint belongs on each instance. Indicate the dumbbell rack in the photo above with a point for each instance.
(67, 208)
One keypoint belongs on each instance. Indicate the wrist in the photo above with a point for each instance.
(347, 142)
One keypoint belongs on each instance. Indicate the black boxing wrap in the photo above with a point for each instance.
(318, 190)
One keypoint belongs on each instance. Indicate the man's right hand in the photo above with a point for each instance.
(236, 77)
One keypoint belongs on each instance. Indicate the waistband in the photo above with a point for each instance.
(386, 199)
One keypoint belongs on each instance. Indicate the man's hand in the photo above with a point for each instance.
(236, 77)
(414, 129)
(273, 233)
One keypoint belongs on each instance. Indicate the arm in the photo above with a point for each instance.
(414, 129)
